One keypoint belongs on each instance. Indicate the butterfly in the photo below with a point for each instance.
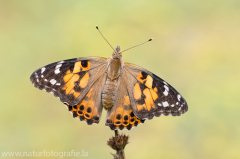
(129, 93)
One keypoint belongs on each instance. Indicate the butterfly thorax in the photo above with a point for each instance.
(113, 72)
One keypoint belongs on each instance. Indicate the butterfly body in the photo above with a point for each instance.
(109, 92)
(129, 93)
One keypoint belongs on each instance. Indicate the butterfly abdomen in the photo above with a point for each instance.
(108, 93)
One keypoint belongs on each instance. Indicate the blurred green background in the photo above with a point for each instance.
(195, 47)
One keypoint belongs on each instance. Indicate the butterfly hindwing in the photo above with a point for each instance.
(121, 115)
(151, 96)
(90, 108)
(69, 80)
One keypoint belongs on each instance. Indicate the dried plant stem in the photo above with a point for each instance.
(116, 132)
(118, 143)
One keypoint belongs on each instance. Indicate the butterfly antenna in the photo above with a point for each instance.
(137, 45)
(105, 38)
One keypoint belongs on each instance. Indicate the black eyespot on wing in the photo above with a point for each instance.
(109, 121)
(71, 67)
(82, 107)
(89, 121)
(89, 109)
(136, 123)
(131, 114)
(96, 118)
(70, 108)
(84, 63)
(76, 87)
(121, 127)
(144, 75)
(129, 126)
(81, 118)
(75, 114)
(118, 116)
(112, 127)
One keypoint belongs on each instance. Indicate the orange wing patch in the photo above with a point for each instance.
(149, 81)
(81, 66)
(86, 110)
(144, 93)
(84, 81)
(71, 78)
(146, 79)
(147, 100)
(123, 117)
(137, 92)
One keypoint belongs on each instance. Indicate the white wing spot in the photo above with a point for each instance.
(53, 81)
(57, 71)
(166, 87)
(43, 69)
(179, 109)
(165, 104)
(36, 77)
(179, 97)
(45, 80)
(172, 105)
(177, 103)
(165, 82)
(58, 84)
(42, 76)
(58, 66)
(159, 104)
(165, 92)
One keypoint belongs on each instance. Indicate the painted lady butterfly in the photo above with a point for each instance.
(128, 92)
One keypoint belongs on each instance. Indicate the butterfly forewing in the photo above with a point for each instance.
(151, 95)
(69, 80)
